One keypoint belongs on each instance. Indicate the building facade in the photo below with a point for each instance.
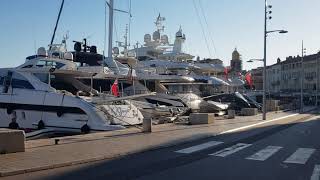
(257, 78)
(286, 76)
(273, 84)
(293, 71)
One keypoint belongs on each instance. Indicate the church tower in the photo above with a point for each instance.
(236, 62)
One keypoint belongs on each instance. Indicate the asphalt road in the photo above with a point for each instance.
(290, 151)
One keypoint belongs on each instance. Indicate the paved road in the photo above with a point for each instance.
(290, 151)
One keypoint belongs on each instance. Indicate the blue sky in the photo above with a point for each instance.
(27, 25)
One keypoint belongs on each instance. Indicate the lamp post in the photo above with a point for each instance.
(317, 83)
(266, 16)
(303, 51)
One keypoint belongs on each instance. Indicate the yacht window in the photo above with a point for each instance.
(118, 103)
(22, 84)
(50, 63)
(1, 80)
(27, 66)
(41, 63)
(153, 101)
(58, 83)
(18, 81)
(43, 77)
(59, 65)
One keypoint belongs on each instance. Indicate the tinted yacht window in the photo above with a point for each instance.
(45, 63)
(41, 63)
(27, 66)
(59, 65)
(18, 81)
(1, 80)
(22, 84)
(42, 77)
(153, 101)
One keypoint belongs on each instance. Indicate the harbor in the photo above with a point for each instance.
(137, 99)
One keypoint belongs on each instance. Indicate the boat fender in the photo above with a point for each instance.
(85, 129)
(171, 112)
(59, 113)
(41, 125)
(13, 125)
(9, 110)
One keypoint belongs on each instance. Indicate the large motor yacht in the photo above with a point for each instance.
(44, 92)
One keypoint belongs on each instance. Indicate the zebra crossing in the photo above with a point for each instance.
(299, 156)
(199, 147)
(231, 150)
(264, 153)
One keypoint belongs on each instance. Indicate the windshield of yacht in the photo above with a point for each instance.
(65, 83)
(42, 63)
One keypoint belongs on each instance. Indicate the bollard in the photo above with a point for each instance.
(231, 114)
(12, 141)
(147, 125)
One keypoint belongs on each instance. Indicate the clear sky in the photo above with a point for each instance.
(26, 25)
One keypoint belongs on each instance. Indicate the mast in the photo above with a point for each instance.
(56, 26)
(126, 42)
(110, 30)
(109, 58)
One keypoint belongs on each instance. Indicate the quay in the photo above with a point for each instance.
(43, 154)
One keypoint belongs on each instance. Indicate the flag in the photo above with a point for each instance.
(226, 71)
(115, 89)
(240, 75)
(248, 78)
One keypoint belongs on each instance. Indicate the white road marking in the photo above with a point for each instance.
(257, 124)
(264, 153)
(230, 150)
(199, 147)
(301, 156)
(316, 173)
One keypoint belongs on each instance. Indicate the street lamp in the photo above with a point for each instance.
(303, 52)
(279, 31)
(252, 60)
(267, 15)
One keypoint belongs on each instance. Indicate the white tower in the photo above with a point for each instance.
(180, 38)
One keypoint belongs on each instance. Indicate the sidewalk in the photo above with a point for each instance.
(43, 154)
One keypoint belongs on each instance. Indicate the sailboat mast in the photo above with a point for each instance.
(126, 42)
(56, 26)
(110, 30)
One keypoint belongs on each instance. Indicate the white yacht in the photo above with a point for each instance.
(44, 93)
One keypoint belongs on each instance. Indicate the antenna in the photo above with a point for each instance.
(65, 38)
(159, 22)
(57, 22)
(129, 26)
